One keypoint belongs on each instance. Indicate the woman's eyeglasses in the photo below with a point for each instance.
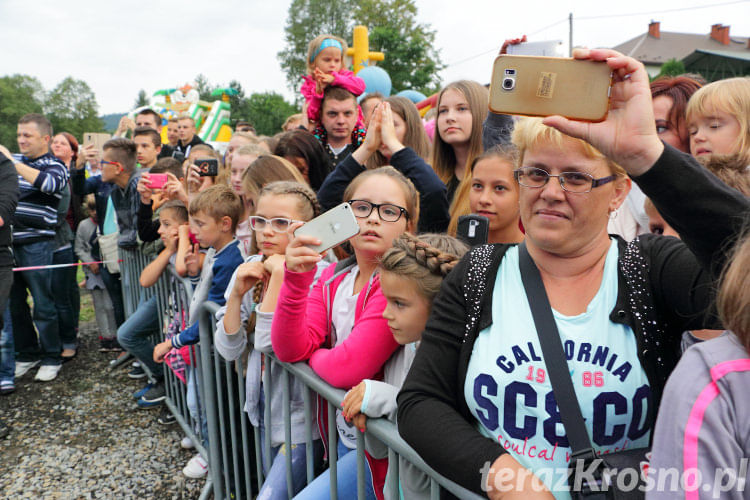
(572, 182)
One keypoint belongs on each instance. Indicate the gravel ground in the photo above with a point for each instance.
(83, 436)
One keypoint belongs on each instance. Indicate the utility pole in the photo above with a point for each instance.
(570, 35)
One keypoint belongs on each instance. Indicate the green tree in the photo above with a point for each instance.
(308, 19)
(141, 100)
(204, 87)
(267, 111)
(19, 95)
(410, 57)
(673, 67)
(72, 107)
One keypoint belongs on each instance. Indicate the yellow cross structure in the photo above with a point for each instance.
(360, 50)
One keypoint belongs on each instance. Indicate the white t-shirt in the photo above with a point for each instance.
(509, 393)
(343, 311)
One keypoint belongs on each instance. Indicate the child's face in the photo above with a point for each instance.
(494, 192)
(329, 60)
(208, 231)
(454, 121)
(657, 225)
(376, 235)
(406, 308)
(239, 165)
(271, 206)
(713, 134)
(168, 225)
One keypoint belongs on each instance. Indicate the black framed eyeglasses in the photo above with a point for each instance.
(278, 224)
(572, 182)
(386, 211)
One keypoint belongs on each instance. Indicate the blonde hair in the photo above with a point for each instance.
(733, 300)
(313, 49)
(732, 170)
(186, 117)
(531, 132)
(732, 96)
(507, 153)
(443, 157)
(216, 202)
(266, 169)
(410, 192)
(251, 150)
(425, 259)
(292, 118)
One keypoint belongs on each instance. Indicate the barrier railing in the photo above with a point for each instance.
(229, 442)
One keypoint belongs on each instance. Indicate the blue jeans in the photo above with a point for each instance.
(195, 404)
(48, 346)
(274, 486)
(67, 297)
(135, 335)
(346, 479)
(7, 349)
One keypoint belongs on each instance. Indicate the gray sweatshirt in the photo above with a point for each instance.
(704, 423)
(231, 345)
(380, 401)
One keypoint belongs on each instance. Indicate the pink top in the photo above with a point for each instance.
(301, 326)
(344, 79)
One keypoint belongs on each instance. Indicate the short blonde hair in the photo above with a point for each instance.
(732, 96)
(216, 202)
(733, 300)
(186, 117)
(313, 49)
(531, 132)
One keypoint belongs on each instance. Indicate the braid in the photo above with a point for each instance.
(257, 297)
(302, 191)
(426, 259)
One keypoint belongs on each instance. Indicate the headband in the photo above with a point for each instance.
(327, 42)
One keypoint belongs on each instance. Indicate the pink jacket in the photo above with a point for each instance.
(302, 329)
(344, 79)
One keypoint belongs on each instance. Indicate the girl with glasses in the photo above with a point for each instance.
(251, 300)
(339, 326)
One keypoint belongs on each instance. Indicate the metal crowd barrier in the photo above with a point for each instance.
(231, 444)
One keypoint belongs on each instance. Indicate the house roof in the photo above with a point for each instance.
(671, 45)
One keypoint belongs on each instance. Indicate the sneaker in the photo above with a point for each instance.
(166, 417)
(187, 443)
(109, 345)
(196, 468)
(7, 387)
(47, 373)
(140, 392)
(22, 367)
(156, 394)
(137, 372)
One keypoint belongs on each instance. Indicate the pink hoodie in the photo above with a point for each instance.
(344, 79)
(302, 326)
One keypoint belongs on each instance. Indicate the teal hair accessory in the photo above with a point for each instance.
(328, 42)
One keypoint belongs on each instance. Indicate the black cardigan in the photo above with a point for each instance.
(433, 202)
(432, 413)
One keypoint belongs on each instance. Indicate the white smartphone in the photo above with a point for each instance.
(332, 227)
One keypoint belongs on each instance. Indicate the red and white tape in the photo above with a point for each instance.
(58, 266)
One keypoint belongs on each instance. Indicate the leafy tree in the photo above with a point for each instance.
(72, 107)
(19, 95)
(673, 67)
(204, 87)
(410, 57)
(141, 100)
(267, 112)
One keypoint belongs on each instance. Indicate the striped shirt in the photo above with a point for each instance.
(36, 214)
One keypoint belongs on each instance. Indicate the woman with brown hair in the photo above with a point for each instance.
(396, 137)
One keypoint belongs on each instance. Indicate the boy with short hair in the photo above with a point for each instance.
(214, 215)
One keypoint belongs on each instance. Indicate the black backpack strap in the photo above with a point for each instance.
(554, 357)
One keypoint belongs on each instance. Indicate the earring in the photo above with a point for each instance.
(612, 215)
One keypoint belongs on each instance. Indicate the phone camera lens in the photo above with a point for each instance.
(509, 83)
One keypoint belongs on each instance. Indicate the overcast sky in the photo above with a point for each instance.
(121, 47)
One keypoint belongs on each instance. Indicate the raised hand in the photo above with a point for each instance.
(192, 260)
(299, 257)
(627, 136)
(144, 189)
(248, 274)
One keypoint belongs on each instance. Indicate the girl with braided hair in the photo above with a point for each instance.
(250, 304)
(410, 275)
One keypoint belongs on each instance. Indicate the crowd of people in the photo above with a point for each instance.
(636, 229)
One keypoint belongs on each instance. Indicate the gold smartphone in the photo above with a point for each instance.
(97, 139)
(544, 86)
